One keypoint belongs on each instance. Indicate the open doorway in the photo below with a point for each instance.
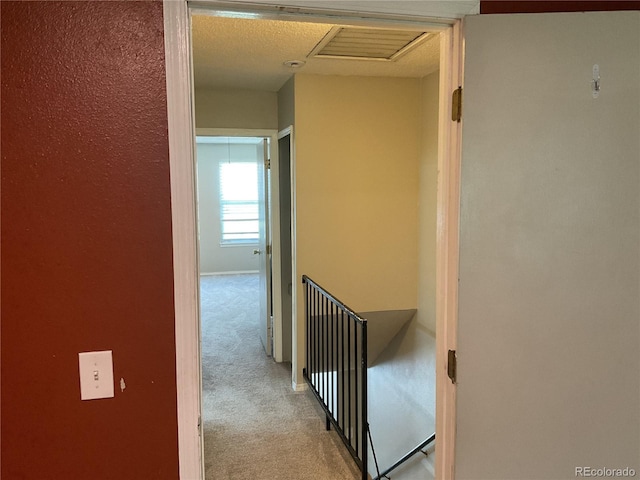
(233, 188)
(449, 45)
(366, 160)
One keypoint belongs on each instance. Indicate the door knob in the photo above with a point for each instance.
(257, 252)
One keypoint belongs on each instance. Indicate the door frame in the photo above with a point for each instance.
(288, 131)
(181, 132)
(273, 236)
(447, 246)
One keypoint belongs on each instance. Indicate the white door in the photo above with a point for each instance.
(549, 310)
(264, 251)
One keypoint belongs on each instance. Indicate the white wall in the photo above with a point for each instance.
(549, 310)
(427, 202)
(215, 258)
(246, 109)
(357, 151)
(402, 399)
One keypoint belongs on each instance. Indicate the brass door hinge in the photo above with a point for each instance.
(452, 366)
(456, 105)
(267, 163)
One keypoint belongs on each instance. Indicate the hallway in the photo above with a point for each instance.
(255, 426)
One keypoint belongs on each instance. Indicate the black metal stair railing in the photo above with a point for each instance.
(336, 367)
(407, 456)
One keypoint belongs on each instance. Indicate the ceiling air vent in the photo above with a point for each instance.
(367, 43)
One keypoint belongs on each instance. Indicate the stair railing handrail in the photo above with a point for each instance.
(325, 354)
(407, 456)
(335, 300)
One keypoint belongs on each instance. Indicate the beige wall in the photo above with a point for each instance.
(357, 152)
(427, 202)
(236, 109)
(286, 104)
(286, 118)
(403, 381)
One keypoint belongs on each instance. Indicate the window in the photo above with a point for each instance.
(239, 203)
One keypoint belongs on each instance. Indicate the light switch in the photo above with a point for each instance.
(96, 375)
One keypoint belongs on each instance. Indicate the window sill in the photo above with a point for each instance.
(234, 245)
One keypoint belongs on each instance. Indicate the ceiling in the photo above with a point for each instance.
(243, 53)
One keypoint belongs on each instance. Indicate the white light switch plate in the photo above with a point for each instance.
(96, 375)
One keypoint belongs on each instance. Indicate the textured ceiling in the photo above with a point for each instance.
(249, 54)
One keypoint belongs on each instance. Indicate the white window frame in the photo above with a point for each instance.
(237, 242)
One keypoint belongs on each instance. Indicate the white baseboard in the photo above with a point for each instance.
(299, 387)
(209, 274)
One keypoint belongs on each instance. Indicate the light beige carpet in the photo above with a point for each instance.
(255, 426)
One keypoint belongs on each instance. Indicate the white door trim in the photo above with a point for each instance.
(237, 132)
(447, 247)
(274, 220)
(181, 124)
(297, 384)
(279, 325)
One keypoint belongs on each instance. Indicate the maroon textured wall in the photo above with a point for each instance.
(541, 6)
(86, 241)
